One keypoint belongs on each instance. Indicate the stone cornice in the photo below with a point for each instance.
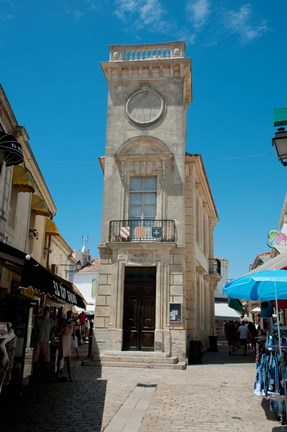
(139, 246)
(151, 70)
(147, 70)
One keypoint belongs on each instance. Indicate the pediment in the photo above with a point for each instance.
(142, 145)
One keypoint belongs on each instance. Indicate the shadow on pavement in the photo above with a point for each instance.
(49, 405)
(221, 356)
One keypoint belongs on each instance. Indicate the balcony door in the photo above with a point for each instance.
(139, 309)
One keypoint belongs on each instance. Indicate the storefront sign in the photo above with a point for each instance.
(43, 281)
(64, 294)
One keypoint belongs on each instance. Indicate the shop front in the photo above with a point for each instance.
(43, 282)
(32, 287)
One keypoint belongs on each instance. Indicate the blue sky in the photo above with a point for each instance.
(50, 70)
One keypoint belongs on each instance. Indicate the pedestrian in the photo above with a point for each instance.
(65, 349)
(78, 332)
(91, 332)
(253, 333)
(87, 330)
(44, 328)
(243, 336)
(82, 318)
(74, 344)
(258, 326)
(231, 335)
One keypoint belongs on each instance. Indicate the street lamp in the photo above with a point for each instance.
(73, 267)
(279, 141)
(76, 267)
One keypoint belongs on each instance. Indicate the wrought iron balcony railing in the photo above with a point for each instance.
(142, 230)
(214, 266)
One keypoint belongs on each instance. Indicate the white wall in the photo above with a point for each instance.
(84, 283)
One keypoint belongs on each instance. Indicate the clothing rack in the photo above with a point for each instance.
(271, 370)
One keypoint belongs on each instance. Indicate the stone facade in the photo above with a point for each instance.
(33, 254)
(149, 94)
(21, 226)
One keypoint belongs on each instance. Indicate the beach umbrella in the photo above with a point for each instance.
(262, 285)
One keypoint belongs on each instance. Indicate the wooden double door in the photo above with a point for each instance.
(139, 308)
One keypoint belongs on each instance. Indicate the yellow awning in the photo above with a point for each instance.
(39, 207)
(22, 179)
(51, 228)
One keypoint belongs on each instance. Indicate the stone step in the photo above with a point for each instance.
(142, 354)
(138, 359)
(133, 364)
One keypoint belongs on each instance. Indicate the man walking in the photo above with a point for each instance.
(243, 336)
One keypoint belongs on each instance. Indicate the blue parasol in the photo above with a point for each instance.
(262, 285)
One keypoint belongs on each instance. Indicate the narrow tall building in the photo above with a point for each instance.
(157, 272)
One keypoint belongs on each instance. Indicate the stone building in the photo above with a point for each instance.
(158, 272)
(33, 254)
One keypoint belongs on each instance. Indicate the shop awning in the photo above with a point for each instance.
(51, 228)
(44, 282)
(37, 277)
(10, 150)
(223, 312)
(277, 263)
(22, 179)
(39, 207)
(235, 304)
(10, 255)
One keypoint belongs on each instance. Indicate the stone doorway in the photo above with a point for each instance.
(139, 309)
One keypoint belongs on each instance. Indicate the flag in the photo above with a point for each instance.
(124, 232)
(140, 232)
(156, 232)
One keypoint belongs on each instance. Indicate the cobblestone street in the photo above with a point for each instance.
(216, 395)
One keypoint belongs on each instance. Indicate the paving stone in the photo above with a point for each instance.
(214, 396)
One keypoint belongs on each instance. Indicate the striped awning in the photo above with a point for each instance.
(10, 150)
(22, 179)
(51, 228)
(39, 207)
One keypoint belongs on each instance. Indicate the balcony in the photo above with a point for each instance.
(147, 230)
(169, 50)
(214, 266)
